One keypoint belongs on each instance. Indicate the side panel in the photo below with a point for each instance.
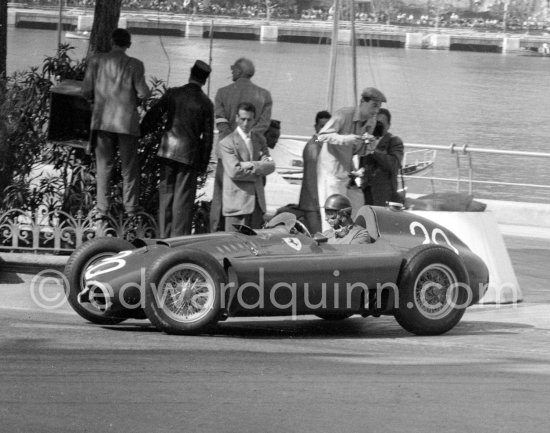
(336, 278)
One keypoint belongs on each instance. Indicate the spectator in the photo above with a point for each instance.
(346, 134)
(227, 100)
(309, 196)
(184, 150)
(381, 165)
(114, 82)
(273, 133)
(245, 161)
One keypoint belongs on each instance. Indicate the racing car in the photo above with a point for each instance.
(414, 269)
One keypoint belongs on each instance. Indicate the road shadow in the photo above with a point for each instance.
(355, 327)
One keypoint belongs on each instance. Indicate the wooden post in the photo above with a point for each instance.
(333, 56)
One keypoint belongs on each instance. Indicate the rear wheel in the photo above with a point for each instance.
(183, 292)
(81, 259)
(433, 292)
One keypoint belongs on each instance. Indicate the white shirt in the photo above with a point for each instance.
(247, 140)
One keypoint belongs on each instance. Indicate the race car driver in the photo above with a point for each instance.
(343, 230)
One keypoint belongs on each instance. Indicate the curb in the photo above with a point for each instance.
(30, 263)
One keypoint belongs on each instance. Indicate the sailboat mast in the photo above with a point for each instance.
(353, 51)
(333, 56)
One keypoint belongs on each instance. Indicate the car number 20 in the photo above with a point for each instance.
(433, 238)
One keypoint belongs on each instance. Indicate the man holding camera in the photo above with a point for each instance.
(381, 164)
(346, 134)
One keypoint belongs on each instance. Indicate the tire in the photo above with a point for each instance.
(335, 315)
(202, 278)
(426, 310)
(86, 255)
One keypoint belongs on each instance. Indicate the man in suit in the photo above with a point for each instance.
(382, 163)
(245, 162)
(114, 82)
(184, 150)
(226, 101)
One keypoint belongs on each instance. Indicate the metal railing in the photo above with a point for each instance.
(468, 152)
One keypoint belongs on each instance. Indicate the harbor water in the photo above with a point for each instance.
(477, 99)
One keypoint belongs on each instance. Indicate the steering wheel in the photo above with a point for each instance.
(301, 228)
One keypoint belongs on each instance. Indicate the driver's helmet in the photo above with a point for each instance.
(337, 210)
(338, 202)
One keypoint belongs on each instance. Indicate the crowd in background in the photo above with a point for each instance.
(403, 16)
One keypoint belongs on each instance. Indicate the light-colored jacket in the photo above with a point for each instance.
(243, 186)
(338, 148)
(114, 82)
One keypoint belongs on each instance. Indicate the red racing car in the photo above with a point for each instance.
(414, 269)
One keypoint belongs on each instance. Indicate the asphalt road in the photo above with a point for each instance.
(489, 374)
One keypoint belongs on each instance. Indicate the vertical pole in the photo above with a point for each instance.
(60, 23)
(353, 52)
(505, 17)
(333, 55)
(211, 34)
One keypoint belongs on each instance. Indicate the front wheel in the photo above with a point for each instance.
(87, 255)
(433, 291)
(183, 292)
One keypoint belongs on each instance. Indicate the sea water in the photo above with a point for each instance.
(483, 100)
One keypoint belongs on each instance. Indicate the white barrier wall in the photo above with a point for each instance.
(269, 33)
(85, 22)
(510, 45)
(414, 40)
(479, 230)
(194, 29)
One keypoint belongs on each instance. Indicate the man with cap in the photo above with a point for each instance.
(226, 101)
(114, 82)
(342, 228)
(346, 134)
(184, 149)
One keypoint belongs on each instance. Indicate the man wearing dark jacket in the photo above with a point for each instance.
(381, 164)
(184, 150)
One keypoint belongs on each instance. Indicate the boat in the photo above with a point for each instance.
(77, 35)
(418, 161)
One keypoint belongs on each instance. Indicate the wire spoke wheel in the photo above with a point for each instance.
(183, 291)
(435, 291)
(187, 293)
